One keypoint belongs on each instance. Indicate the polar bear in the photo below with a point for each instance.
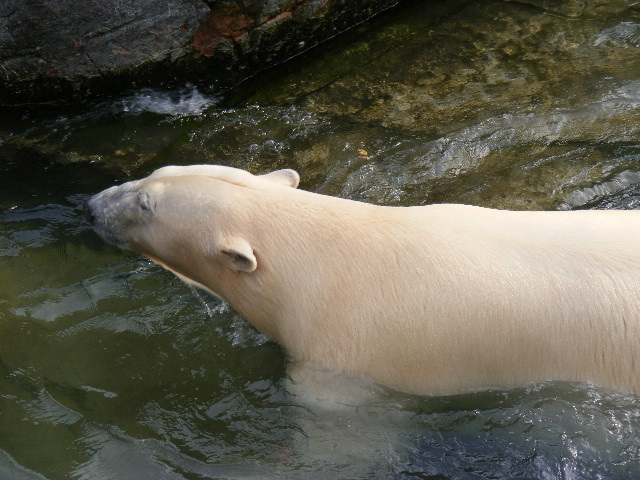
(436, 299)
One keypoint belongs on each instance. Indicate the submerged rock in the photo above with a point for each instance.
(65, 48)
(497, 103)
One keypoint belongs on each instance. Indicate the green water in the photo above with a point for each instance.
(112, 368)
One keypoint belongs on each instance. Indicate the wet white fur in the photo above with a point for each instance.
(432, 300)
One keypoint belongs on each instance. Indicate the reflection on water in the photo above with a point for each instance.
(111, 368)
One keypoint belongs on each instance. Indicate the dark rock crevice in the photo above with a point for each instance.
(67, 49)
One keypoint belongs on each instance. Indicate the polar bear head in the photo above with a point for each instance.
(151, 215)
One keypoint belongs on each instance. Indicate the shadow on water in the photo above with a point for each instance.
(112, 368)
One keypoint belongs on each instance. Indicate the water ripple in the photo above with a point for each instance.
(625, 33)
(45, 407)
(12, 470)
(186, 101)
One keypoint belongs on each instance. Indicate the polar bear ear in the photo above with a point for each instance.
(238, 254)
(286, 177)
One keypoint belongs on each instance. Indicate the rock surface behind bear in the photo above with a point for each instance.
(51, 50)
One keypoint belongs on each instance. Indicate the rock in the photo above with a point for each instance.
(61, 49)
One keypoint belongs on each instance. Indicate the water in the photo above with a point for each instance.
(112, 368)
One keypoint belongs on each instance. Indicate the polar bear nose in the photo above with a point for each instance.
(88, 212)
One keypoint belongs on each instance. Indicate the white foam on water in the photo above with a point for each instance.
(184, 102)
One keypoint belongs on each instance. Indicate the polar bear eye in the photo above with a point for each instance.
(144, 201)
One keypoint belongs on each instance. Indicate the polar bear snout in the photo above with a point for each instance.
(113, 212)
(102, 212)
(88, 212)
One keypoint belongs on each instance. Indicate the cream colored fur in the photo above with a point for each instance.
(432, 300)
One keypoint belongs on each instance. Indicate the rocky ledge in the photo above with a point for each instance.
(61, 49)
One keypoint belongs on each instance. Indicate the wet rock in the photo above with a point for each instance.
(52, 49)
(464, 60)
(520, 105)
(495, 103)
(60, 49)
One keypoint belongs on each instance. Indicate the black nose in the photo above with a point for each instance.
(88, 213)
